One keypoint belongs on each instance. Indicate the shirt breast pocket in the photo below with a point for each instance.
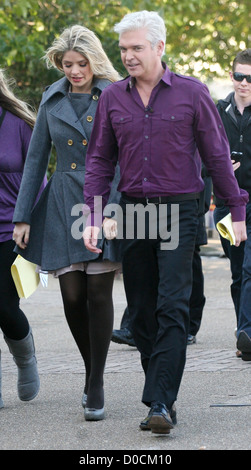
(176, 126)
(122, 125)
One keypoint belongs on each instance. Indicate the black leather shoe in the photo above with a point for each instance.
(191, 339)
(244, 345)
(159, 419)
(123, 336)
(144, 425)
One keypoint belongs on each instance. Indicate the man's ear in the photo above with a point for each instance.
(160, 48)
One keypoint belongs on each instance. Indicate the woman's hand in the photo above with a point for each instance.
(21, 234)
(90, 237)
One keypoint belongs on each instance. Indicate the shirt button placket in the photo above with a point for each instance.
(146, 150)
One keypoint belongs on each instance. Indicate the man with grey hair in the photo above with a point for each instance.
(157, 124)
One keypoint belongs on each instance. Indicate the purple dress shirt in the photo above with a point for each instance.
(159, 147)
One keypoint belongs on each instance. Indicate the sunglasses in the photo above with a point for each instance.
(240, 76)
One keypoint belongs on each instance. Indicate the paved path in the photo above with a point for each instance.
(214, 403)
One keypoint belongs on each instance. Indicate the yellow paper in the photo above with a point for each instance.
(225, 228)
(25, 277)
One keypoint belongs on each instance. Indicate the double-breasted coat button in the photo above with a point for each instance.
(84, 142)
(95, 97)
(89, 118)
(73, 166)
(70, 142)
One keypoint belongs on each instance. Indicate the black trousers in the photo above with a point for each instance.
(236, 257)
(13, 321)
(197, 299)
(158, 285)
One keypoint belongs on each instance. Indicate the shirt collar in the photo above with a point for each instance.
(166, 78)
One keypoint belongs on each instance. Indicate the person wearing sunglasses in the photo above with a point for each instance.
(235, 111)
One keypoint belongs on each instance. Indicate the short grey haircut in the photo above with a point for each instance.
(150, 20)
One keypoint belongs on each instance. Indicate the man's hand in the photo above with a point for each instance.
(240, 232)
(110, 228)
(90, 237)
(21, 234)
(235, 165)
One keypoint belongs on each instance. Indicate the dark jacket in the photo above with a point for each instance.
(239, 139)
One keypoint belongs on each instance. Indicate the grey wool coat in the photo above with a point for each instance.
(51, 243)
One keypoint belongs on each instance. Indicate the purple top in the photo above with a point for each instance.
(14, 141)
(157, 147)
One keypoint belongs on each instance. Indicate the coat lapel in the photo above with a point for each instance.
(65, 112)
(63, 109)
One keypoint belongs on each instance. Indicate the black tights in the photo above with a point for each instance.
(13, 321)
(88, 307)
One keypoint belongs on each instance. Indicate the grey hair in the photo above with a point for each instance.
(80, 39)
(150, 20)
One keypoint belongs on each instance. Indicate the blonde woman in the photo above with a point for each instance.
(43, 235)
(17, 120)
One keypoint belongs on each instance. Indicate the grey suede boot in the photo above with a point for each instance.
(23, 352)
(1, 401)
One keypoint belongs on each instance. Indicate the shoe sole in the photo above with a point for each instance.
(29, 398)
(146, 427)
(246, 356)
(93, 414)
(243, 345)
(120, 341)
(159, 425)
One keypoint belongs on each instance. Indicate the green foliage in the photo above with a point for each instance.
(203, 36)
(28, 27)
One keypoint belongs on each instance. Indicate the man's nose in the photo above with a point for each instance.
(129, 54)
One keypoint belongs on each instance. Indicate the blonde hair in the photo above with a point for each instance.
(11, 103)
(81, 39)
